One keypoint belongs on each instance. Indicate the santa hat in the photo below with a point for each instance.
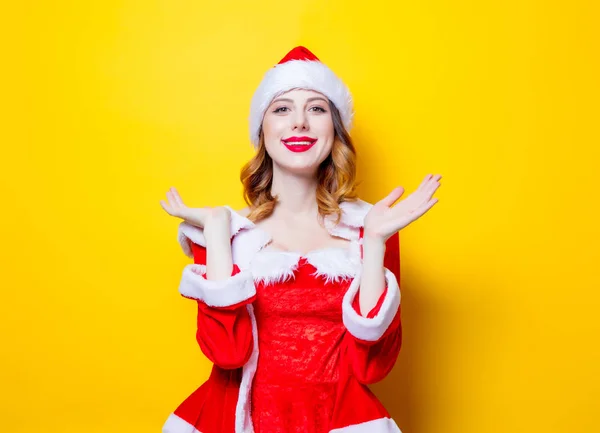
(299, 69)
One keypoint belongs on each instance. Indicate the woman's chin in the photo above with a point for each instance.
(299, 167)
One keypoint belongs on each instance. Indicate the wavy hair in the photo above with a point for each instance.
(336, 176)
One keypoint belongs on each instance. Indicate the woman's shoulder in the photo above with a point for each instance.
(244, 212)
(356, 201)
(354, 211)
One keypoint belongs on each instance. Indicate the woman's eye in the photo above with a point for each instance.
(322, 110)
(279, 110)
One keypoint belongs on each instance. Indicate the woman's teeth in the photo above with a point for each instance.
(301, 143)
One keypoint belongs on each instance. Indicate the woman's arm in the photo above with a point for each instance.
(383, 221)
(217, 232)
(372, 273)
(374, 334)
(222, 291)
(374, 341)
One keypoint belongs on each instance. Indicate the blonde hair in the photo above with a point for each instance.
(336, 176)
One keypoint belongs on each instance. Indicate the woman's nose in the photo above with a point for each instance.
(300, 120)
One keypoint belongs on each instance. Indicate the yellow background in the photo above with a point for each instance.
(106, 104)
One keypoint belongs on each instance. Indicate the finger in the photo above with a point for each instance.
(165, 206)
(429, 181)
(424, 182)
(170, 198)
(422, 209)
(430, 189)
(391, 198)
(177, 197)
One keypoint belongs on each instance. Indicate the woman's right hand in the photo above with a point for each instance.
(194, 216)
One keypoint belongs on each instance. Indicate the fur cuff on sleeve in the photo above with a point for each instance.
(371, 329)
(216, 293)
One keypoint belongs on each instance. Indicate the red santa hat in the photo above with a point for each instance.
(299, 69)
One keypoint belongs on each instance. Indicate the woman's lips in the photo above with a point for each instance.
(299, 145)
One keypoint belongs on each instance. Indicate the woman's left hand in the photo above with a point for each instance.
(383, 220)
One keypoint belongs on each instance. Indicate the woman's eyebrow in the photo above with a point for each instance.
(282, 100)
(314, 98)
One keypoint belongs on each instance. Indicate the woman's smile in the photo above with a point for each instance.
(299, 144)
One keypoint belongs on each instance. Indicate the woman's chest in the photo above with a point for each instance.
(299, 237)
(302, 295)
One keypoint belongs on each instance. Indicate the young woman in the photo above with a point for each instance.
(298, 296)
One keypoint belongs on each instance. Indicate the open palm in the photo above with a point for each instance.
(383, 220)
(177, 208)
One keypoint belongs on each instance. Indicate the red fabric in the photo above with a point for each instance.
(355, 404)
(308, 359)
(225, 337)
(371, 361)
(392, 256)
(311, 371)
(211, 408)
(298, 53)
(300, 344)
(224, 334)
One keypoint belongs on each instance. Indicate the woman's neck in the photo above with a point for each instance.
(297, 195)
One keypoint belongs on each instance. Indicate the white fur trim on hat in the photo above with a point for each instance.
(299, 74)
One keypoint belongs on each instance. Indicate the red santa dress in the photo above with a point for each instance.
(290, 348)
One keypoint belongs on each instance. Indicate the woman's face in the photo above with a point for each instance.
(298, 130)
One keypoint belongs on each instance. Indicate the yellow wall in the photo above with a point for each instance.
(112, 102)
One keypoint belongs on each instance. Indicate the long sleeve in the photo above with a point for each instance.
(224, 324)
(373, 341)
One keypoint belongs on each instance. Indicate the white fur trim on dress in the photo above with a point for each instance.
(246, 244)
(353, 216)
(248, 240)
(243, 408)
(216, 293)
(271, 266)
(331, 264)
(334, 264)
(371, 329)
(299, 74)
(175, 424)
(381, 425)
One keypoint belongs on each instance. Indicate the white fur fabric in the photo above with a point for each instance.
(243, 408)
(175, 424)
(188, 232)
(216, 293)
(381, 425)
(371, 329)
(332, 264)
(275, 266)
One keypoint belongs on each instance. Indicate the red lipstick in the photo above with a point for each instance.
(299, 144)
